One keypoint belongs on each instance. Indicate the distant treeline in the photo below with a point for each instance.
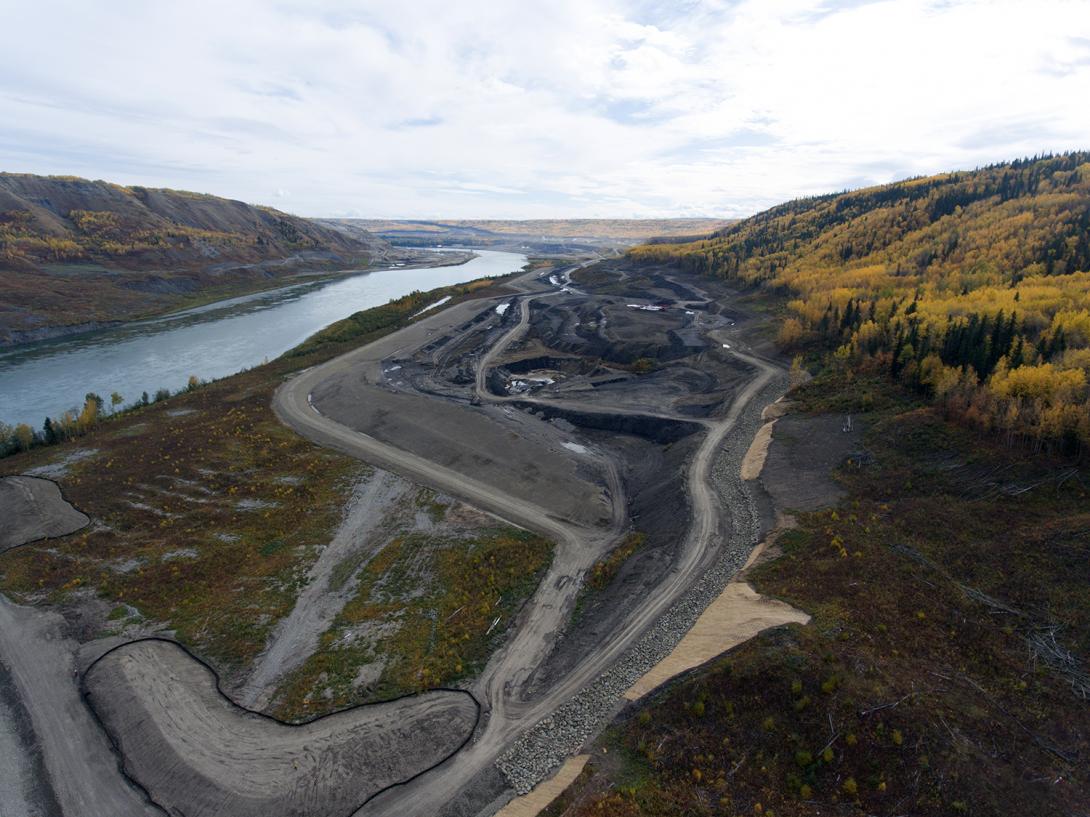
(77, 422)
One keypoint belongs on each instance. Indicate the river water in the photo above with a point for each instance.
(47, 378)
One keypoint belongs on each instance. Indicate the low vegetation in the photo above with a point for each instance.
(207, 511)
(944, 671)
(427, 610)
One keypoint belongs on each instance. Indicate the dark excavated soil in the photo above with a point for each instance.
(805, 450)
(468, 441)
(658, 508)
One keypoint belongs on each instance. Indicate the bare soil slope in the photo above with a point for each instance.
(32, 509)
(197, 753)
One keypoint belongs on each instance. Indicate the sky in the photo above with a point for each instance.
(565, 108)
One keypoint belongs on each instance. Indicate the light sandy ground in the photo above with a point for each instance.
(532, 804)
(754, 459)
(736, 616)
(199, 755)
(32, 509)
(80, 770)
(774, 411)
(740, 612)
(17, 795)
(295, 638)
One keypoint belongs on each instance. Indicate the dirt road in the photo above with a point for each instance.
(543, 617)
(156, 704)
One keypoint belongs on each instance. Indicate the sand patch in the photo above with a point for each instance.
(774, 411)
(737, 615)
(530, 805)
(754, 460)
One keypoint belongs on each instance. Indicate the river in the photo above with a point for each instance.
(47, 378)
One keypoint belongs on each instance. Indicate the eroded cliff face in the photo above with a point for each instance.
(75, 252)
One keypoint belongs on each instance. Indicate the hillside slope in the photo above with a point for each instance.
(79, 252)
(946, 666)
(973, 287)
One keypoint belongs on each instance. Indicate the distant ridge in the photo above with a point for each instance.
(76, 254)
(47, 219)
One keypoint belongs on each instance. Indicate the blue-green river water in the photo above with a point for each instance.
(47, 378)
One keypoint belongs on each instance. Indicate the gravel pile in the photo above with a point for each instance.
(545, 747)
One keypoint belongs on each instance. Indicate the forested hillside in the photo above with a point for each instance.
(973, 287)
(944, 669)
(76, 253)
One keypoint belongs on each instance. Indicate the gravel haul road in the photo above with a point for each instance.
(543, 619)
(428, 404)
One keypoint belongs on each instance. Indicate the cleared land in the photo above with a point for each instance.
(587, 406)
(458, 360)
(200, 502)
(199, 754)
(33, 508)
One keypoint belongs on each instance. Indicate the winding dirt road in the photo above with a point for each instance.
(543, 617)
(80, 762)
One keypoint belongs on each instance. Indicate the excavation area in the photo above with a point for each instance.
(199, 754)
(535, 481)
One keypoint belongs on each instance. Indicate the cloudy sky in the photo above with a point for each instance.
(478, 108)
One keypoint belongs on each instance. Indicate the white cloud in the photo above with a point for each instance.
(572, 108)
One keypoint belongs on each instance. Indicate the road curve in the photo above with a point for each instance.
(543, 616)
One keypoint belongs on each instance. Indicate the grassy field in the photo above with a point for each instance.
(207, 512)
(944, 670)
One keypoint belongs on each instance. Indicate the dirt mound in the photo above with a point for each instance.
(33, 509)
(197, 753)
